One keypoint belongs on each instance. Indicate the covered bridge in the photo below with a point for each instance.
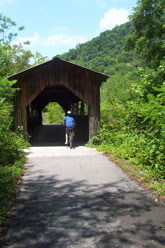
(57, 80)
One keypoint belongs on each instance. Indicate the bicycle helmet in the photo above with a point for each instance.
(69, 112)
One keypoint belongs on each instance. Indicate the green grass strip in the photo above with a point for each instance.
(9, 181)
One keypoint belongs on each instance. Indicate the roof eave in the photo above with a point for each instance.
(15, 76)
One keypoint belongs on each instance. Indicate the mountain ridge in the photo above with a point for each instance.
(105, 51)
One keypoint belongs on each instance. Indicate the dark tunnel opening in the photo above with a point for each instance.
(49, 135)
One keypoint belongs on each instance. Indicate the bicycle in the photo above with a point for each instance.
(71, 136)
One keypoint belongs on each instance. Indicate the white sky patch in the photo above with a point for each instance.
(64, 39)
(33, 39)
(112, 18)
(59, 41)
(63, 36)
(5, 1)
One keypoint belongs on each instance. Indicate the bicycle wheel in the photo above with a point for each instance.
(71, 139)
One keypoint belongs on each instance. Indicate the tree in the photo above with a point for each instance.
(148, 38)
(14, 58)
(55, 113)
(21, 59)
(6, 24)
(4, 61)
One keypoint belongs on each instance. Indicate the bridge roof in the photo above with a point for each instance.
(100, 77)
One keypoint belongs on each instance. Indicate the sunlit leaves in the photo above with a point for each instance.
(54, 113)
(7, 24)
(149, 36)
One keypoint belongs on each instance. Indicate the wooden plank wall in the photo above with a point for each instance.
(82, 83)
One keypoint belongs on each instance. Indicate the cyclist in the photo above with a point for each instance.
(69, 122)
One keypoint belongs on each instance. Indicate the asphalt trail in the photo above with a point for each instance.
(79, 199)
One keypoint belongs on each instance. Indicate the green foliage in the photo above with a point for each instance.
(149, 36)
(55, 113)
(132, 107)
(21, 59)
(6, 91)
(13, 58)
(6, 24)
(38, 58)
(132, 101)
(4, 60)
(11, 143)
(106, 53)
(11, 147)
(9, 176)
(135, 130)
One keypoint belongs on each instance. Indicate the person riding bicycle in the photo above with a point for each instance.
(69, 122)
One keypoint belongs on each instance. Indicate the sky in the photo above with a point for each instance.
(55, 26)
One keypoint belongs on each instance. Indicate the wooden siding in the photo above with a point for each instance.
(69, 83)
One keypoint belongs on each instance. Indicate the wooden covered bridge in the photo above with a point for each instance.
(57, 80)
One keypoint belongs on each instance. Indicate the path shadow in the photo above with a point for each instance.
(54, 213)
(53, 135)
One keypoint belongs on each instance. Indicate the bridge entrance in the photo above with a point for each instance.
(73, 87)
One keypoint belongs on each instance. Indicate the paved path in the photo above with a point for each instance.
(79, 199)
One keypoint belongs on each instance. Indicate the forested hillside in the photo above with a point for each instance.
(105, 53)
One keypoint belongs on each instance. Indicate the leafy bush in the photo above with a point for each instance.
(11, 146)
(12, 154)
(135, 130)
(11, 143)
(13, 58)
(9, 176)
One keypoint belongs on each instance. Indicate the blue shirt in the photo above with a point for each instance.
(69, 121)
